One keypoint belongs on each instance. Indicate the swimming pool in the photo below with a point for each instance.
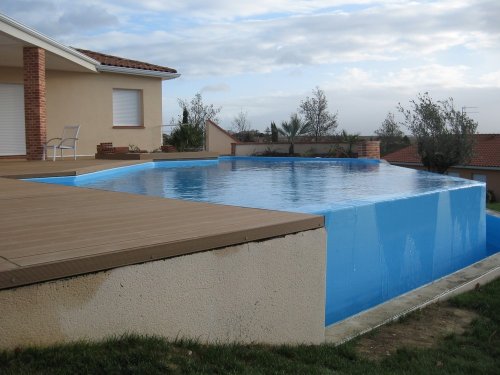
(389, 229)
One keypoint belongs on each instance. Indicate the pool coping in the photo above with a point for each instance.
(463, 280)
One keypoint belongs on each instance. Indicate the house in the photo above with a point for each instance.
(45, 85)
(484, 166)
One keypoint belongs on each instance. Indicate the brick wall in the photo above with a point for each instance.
(369, 149)
(34, 101)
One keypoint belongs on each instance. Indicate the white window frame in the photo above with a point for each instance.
(128, 108)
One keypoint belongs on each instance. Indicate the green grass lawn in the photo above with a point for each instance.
(477, 351)
(494, 206)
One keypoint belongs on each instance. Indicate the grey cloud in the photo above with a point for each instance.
(87, 16)
(215, 88)
(60, 19)
(381, 32)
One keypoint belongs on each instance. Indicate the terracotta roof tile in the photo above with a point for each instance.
(486, 152)
(124, 63)
(405, 155)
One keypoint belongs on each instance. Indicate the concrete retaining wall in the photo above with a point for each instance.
(271, 292)
(248, 149)
(364, 149)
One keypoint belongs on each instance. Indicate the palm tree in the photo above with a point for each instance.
(351, 140)
(292, 129)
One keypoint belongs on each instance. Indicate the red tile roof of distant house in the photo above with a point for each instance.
(124, 63)
(486, 153)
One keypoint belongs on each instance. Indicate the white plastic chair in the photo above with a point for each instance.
(68, 141)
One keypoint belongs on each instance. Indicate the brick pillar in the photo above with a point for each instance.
(369, 149)
(34, 101)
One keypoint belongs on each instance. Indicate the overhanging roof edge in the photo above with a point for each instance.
(28, 35)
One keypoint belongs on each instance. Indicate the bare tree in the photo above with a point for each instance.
(198, 112)
(241, 123)
(317, 117)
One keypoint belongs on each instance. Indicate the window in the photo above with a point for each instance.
(127, 108)
(479, 177)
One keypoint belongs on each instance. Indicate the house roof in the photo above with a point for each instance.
(111, 60)
(486, 153)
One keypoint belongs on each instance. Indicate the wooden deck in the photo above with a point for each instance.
(69, 167)
(52, 231)
(28, 169)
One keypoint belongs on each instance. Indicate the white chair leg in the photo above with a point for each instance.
(44, 152)
(61, 154)
(53, 153)
(74, 153)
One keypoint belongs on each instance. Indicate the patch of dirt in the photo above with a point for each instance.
(421, 329)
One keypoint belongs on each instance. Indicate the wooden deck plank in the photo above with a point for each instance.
(41, 242)
(6, 265)
(53, 231)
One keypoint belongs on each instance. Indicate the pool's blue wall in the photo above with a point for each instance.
(493, 233)
(378, 251)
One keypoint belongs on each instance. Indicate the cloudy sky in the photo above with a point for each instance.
(264, 56)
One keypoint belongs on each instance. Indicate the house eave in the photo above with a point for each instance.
(32, 37)
(137, 72)
(476, 167)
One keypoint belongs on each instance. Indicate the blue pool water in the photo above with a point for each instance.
(389, 229)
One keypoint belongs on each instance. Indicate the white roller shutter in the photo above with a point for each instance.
(12, 133)
(127, 107)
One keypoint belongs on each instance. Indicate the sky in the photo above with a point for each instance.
(263, 57)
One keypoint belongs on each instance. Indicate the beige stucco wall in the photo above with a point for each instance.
(87, 99)
(271, 291)
(11, 75)
(492, 176)
(217, 140)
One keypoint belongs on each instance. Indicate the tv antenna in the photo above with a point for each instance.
(465, 110)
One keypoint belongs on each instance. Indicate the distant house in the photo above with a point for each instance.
(45, 85)
(484, 166)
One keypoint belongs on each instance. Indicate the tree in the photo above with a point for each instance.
(186, 137)
(390, 135)
(274, 132)
(185, 116)
(241, 127)
(241, 123)
(445, 136)
(351, 140)
(190, 131)
(198, 112)
(267, 133)
(317, 117)
(292, 129)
